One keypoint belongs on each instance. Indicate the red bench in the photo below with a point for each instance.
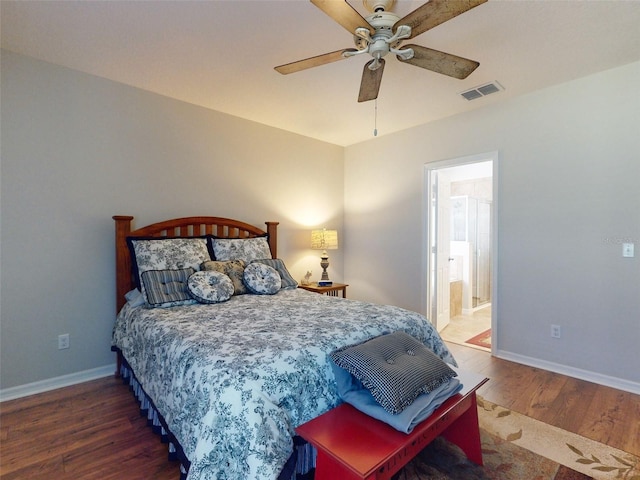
(352, 445)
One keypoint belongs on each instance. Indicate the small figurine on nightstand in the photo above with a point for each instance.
(306, 280)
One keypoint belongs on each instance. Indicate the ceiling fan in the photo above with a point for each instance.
(383, 32)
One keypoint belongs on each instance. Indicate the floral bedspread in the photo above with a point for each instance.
(234, 379)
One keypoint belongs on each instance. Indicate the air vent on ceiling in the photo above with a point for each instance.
(482, 90)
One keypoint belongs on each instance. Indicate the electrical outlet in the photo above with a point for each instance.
(627, 250)
(556, 331)
(63, 341)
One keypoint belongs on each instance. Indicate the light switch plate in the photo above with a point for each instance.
(627, 250)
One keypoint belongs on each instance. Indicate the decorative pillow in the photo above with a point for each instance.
(166, 254)
(246, 249)
(234, 269)
(396, 368)
(262, 279)
(167, 288)
(278, 264)
(134, 298)
(210, 287)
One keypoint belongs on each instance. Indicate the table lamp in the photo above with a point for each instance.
(324, 240)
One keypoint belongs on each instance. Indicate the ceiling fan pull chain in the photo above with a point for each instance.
(375, 119)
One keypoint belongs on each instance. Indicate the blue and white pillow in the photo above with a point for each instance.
(166, 254)
(262, 279)
(247, 249)
(210, 287)
(278, 264)
(234, 269)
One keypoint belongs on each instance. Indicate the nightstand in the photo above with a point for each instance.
(331, 290)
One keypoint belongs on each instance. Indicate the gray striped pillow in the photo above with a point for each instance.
(167, 288)
(278, 264)
(396, 368)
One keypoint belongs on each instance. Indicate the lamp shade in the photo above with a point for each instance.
(324, 239)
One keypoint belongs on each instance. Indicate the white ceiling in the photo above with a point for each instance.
(221, 54)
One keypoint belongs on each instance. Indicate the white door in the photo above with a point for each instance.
(443, 233)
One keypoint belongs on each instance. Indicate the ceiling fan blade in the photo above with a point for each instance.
(370, 84)
(441, 62)
(313, 61)
(434, 13)
(344, 14)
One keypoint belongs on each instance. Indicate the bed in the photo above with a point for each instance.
(226, 383)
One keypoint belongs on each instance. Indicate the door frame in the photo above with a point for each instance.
(439, 271)
(428, 300)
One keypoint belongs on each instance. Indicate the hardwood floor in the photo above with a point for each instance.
(87, 431)
(600, 413)
(94, 430)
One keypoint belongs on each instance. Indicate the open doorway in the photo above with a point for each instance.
(461, 248)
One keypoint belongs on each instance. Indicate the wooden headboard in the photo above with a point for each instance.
(179, 227)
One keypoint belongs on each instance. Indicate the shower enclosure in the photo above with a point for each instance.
(471, 229)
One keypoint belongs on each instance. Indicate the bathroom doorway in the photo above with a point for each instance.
(460, 250)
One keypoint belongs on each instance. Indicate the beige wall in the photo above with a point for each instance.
(568, 198)
(77, 149)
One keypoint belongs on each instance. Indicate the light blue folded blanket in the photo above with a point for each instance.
(353, 392)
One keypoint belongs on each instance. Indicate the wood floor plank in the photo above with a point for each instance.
(28, 416)
(42, 446)
(506, 382)
(567, 410)
(44, 470)
(612, 419)
(544, 390)
(98, 456)
(631, 437)
(540, 387)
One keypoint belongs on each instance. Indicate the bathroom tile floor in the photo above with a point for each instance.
(463, 327)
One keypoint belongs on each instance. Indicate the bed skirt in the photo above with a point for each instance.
(299, 466)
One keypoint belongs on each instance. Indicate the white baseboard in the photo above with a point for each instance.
(600, 379)
(100, 372)
(56, 382)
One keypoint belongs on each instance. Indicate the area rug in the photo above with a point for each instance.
(481, 340)
(516, 447)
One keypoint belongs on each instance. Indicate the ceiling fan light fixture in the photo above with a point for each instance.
(378, 49)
